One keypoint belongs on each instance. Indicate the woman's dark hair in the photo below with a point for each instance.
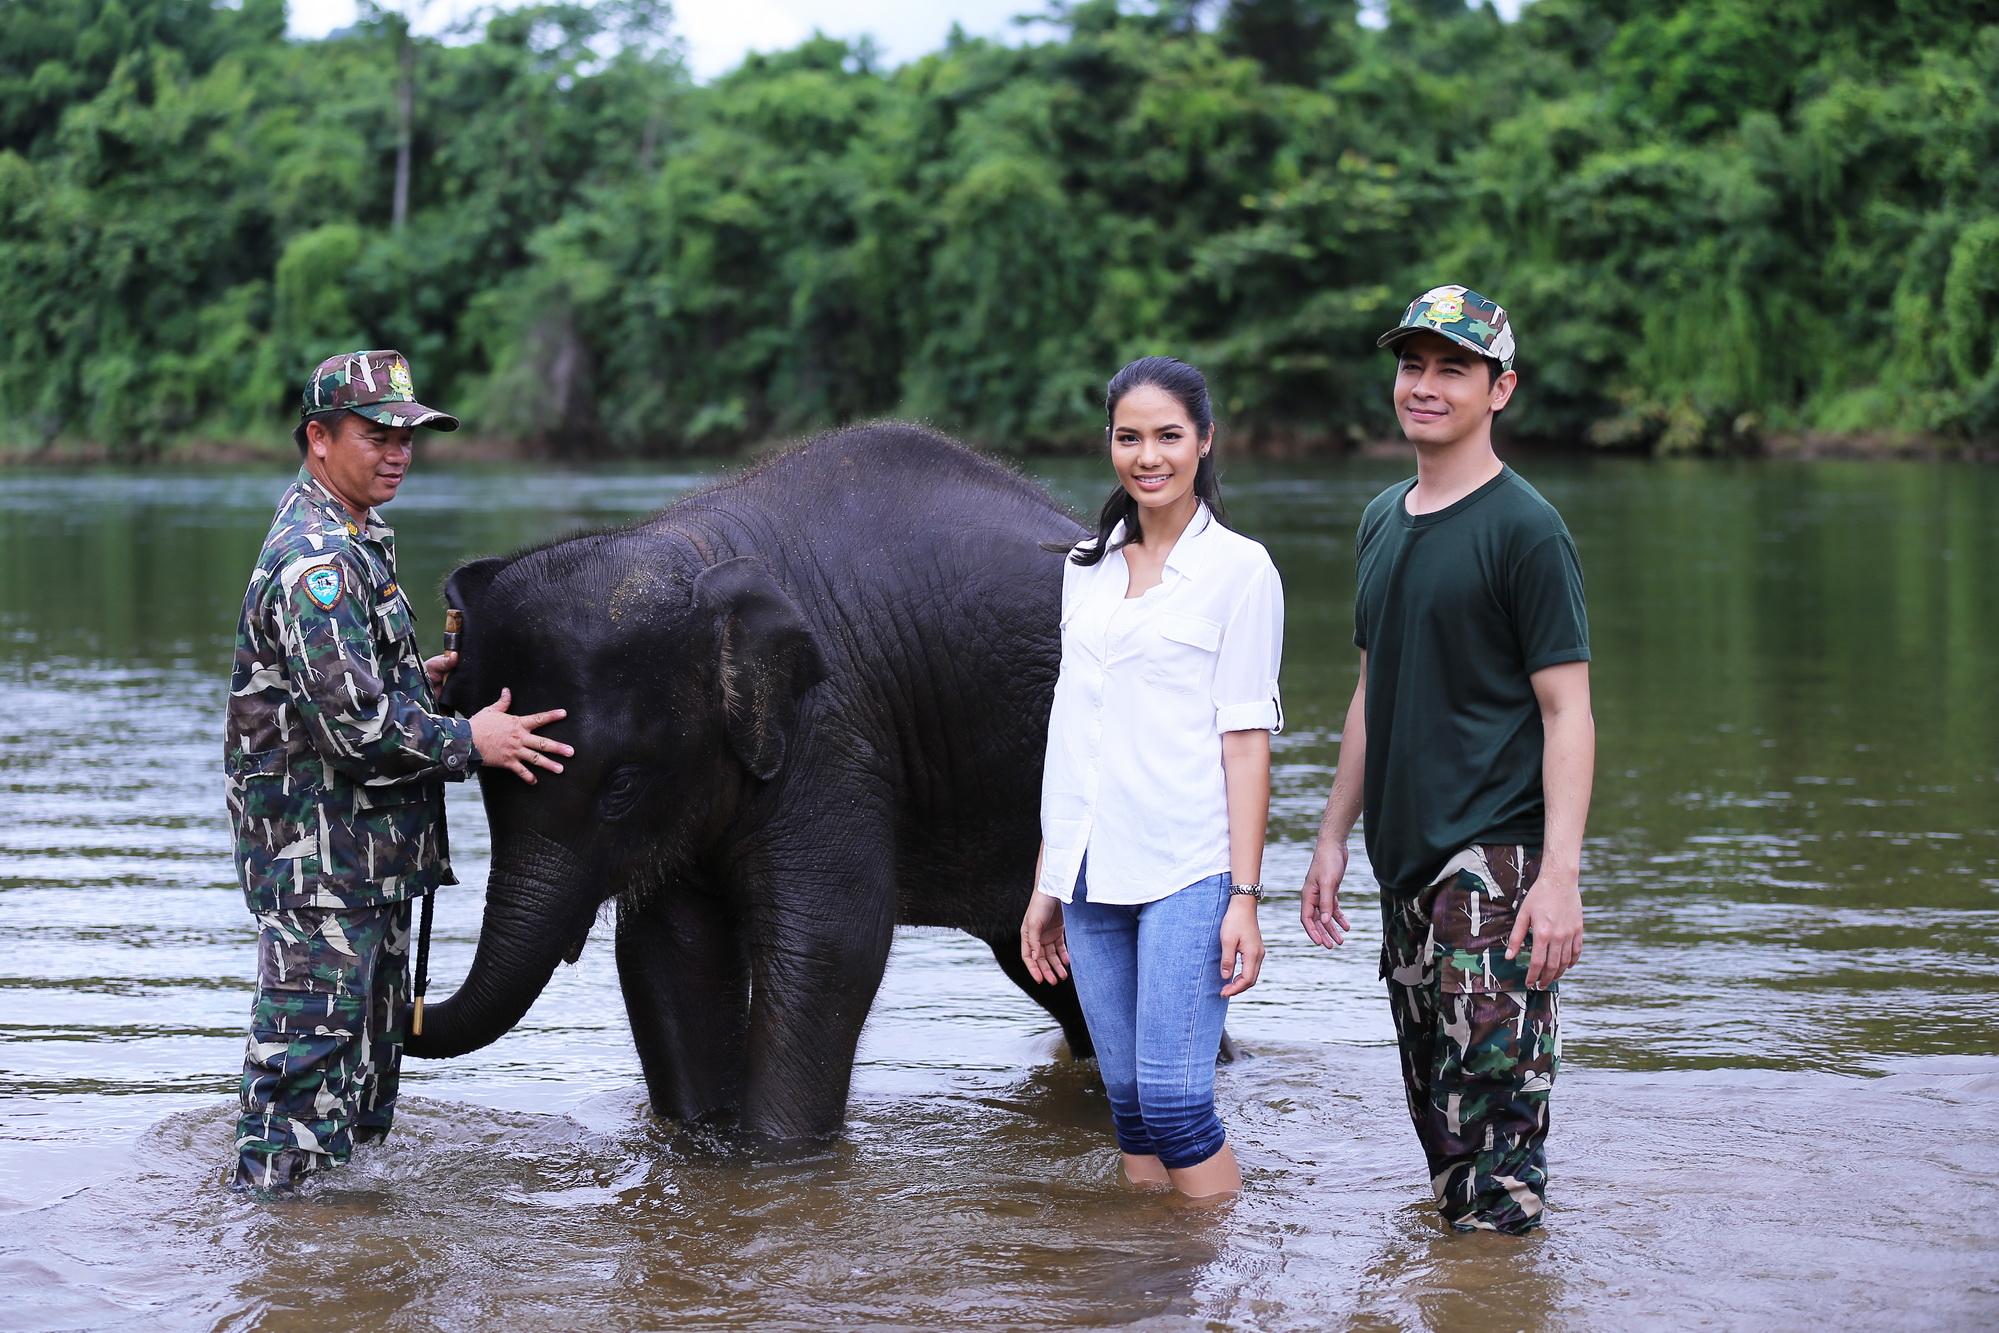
(1190, 389)
(331, 419)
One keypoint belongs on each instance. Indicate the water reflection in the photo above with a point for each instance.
(1793, 879)
(947, 1210)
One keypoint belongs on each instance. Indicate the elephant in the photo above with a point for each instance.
(808, 705)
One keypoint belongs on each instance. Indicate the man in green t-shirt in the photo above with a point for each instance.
(1468, 749)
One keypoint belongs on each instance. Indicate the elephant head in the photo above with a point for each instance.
(683, 679)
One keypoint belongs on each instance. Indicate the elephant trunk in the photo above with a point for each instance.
(536, 906)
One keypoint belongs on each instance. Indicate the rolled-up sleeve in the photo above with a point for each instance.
(1246, 695)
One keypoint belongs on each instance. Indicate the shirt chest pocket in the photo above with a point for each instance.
(1181, 656)
(393, 622)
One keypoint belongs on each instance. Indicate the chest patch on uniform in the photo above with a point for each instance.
(323, 586)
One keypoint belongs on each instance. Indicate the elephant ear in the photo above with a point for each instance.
(768, 658)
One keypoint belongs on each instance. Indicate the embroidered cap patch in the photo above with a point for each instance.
(322, 584)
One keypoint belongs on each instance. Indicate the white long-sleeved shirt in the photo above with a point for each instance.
(1133, 774)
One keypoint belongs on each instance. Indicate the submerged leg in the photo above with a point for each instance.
(1418, 1038)
(1411, 977)
(1103, 958)
(1180, 1014)
(685, 979)
(308, 1027)
(378, 1072)
(818, 945)
(1495, 1070)
(1496, 1049)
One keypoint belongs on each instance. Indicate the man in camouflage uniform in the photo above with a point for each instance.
(1469, 747)
(336, 759)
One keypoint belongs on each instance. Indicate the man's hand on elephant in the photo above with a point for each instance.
(438, 667)
(1044, 947)
(506, 741)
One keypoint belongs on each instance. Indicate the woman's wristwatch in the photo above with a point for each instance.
(1247, 890)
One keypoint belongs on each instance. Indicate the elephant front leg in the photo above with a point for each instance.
(816, 966)
(685, 976)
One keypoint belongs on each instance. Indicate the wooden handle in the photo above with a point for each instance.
(416, 1018)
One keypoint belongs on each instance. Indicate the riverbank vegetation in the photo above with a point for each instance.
(1714, 221)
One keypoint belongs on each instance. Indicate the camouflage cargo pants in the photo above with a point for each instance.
(326, 1039)
(1479, 1049)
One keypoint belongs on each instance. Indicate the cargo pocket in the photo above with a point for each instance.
(1488, 971)
(1472, 915)
(389, 795)
(307, 951)
(391, 834)
(274, 816)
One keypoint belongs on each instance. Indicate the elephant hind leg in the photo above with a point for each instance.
(685, 976)
(1060, 1000)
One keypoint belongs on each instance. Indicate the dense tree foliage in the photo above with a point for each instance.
(1711, 219)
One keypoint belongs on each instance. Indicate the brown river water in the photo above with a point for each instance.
(1779, 1106)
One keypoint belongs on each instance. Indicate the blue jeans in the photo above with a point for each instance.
(1150, 979)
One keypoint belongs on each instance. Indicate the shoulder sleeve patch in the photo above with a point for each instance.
(323, 584)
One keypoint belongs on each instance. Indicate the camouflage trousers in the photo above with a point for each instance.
(1479, 1049)
(326, 1039)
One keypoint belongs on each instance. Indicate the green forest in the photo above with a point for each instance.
(1716, 223)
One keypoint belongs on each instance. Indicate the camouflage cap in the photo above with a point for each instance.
(375, 384)
(1463, 316)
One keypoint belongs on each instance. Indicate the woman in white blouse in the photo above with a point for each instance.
(1156, 787)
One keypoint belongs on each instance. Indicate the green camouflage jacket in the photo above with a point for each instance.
(335, 757)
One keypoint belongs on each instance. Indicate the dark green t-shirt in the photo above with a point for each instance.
(1456, 609)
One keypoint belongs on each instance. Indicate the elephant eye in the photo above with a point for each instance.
(622, 792)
